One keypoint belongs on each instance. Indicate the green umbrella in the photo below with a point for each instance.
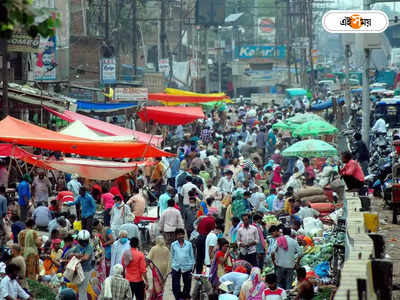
(302, 118)
(281, 125)
(310, 148)
(314, 128)
(397, 92)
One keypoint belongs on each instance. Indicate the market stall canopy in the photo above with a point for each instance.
(302, 118)
(13, 151)
(78, 129)
(296, 92)
(19, 132)
(178, 115)
(107, 128)
(89, 107)
(285, 125)
(95, 169)
(310, 148)
(314, 128)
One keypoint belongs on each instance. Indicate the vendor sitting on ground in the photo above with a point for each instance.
(352, 173)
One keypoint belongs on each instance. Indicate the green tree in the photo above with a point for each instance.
(21, 15)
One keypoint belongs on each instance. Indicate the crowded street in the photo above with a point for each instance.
(197, 149)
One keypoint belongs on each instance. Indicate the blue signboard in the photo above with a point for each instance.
(261, 51)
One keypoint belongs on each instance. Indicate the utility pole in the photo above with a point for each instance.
(106, 23)
(134, 36)
(180, 32)
(219, 60)
(163, 33)
(288, 45)
(206, 59)
(366, 105)
(347, 54)
(5, 77)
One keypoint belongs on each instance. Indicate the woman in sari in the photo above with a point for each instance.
(158, 255)
(277, 179)
(31, 242)
(222, 262)
(253, 288)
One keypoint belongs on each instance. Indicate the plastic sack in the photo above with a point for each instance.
(322, 269)
(312, 226)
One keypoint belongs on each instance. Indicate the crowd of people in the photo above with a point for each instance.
(211, 198)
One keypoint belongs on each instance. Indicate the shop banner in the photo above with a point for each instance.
(131, 94)
(45, 60)
(21, 42)
(261, 51)
(108, 70)
(266, 28)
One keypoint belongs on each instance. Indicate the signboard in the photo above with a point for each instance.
(20, 42)
(108, 70)
(45, 60)
(163, 66)
(154, 82)
(266, 28)
(261, 51)
(395, 56)
(131, 94)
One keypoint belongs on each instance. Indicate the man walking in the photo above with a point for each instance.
(182, 261)
(286, 255)
(247, 239)
(3, 213)
(170, 220)
(135, 269)
(24, 195)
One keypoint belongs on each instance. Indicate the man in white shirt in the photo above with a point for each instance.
(306, 211)
(226, 184)
(9, 286)
(379, 126)
(187, 187)
(247, 239)
(279, 202)
(211, 243)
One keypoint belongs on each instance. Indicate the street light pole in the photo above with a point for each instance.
(5, 77)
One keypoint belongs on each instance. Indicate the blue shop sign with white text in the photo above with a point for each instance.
(261, 51)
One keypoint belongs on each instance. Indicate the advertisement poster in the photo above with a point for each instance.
(45, 66)
(163, 66)
(266, 29)
(21, 42)
(108, 70)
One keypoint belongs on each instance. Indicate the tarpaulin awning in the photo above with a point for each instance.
(171, 115)
(78, 129)
(10, 150)
(106, 128)
(19, 132)
(103, 107)
(95, 169)
(184, 99)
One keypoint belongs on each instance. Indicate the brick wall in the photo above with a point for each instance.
(85, 54)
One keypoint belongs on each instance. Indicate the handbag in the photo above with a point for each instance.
(79, 275)
(70, 268)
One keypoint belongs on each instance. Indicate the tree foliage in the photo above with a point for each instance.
(18, 15)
